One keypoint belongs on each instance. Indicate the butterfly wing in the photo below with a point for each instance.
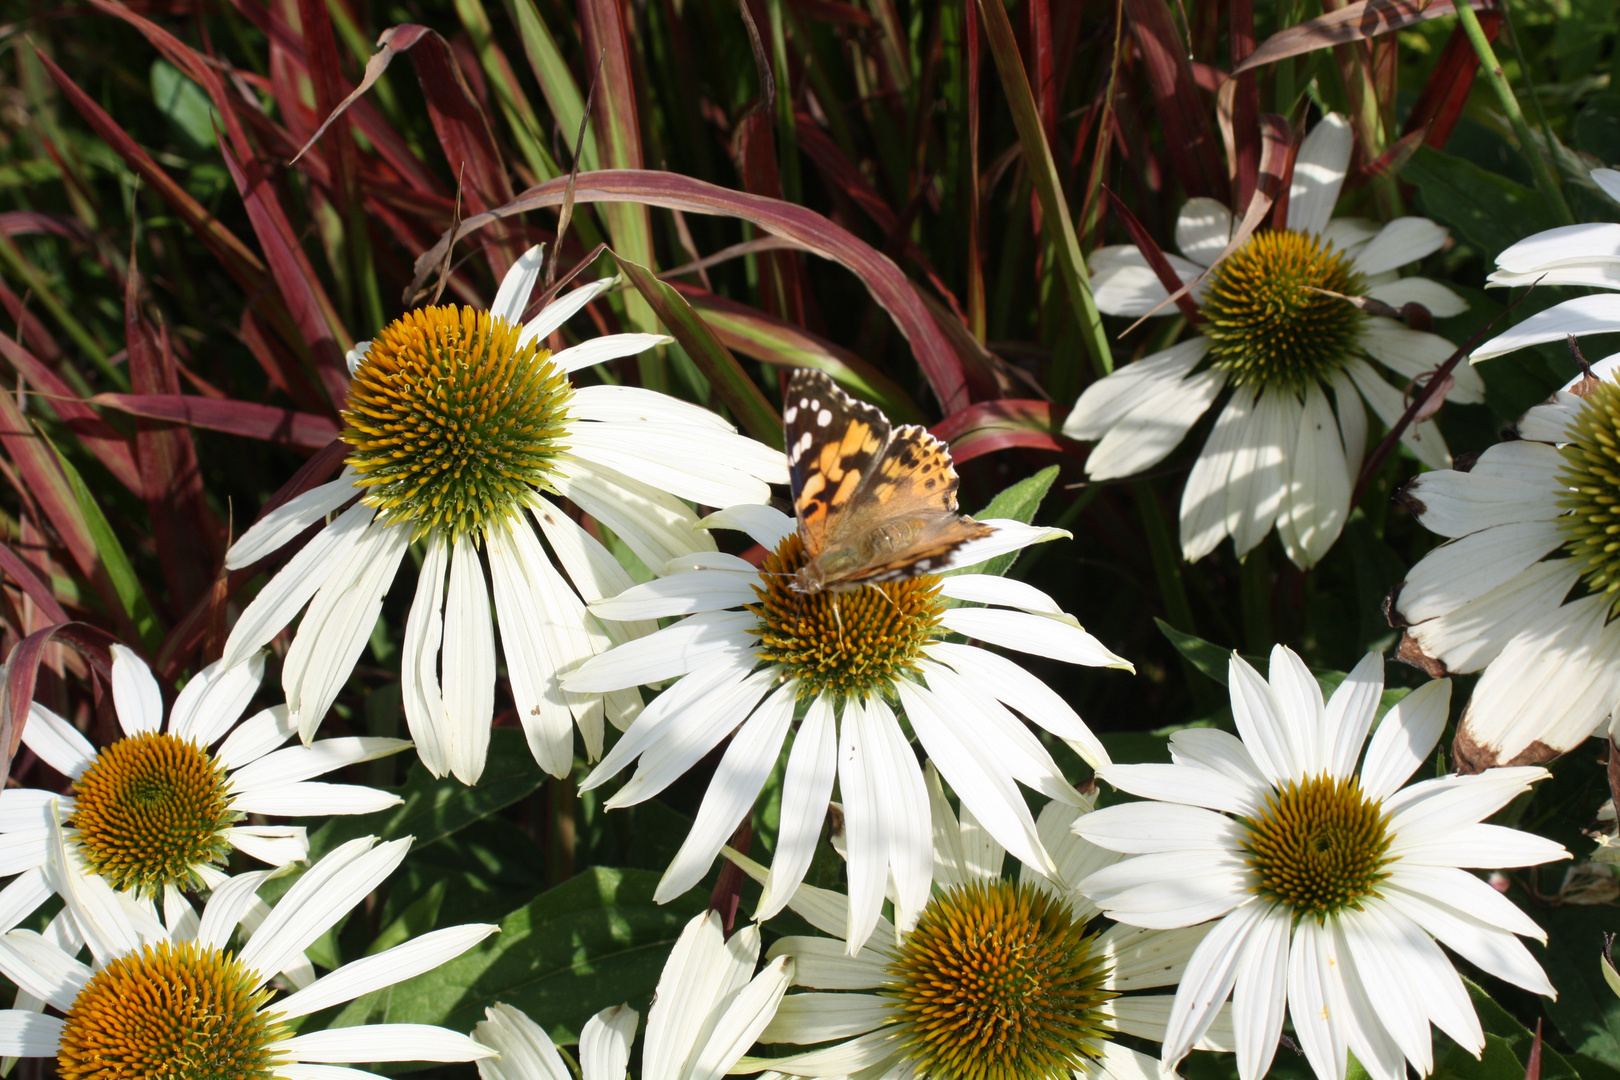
(834, 445)
(906, 521)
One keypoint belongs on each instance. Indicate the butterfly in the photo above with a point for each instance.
(874, 503)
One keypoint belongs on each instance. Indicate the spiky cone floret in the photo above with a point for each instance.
(158, 1002)
(154, 815)
(1006, 975)
(1298, 366)
(755, 657)
(463, 430)
(707, 1011)
(1324, 885)
(1524, 590)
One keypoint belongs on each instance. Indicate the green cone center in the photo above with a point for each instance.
(1320, 846)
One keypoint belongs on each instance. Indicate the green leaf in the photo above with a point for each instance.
(592, 942)
(747, 403)
(1206, 656)
(185, 104)
(131, 594)
(1018, 503)
(1597, 127)
(1501, 1028)
(1587, 1012)
(1487, 209)
(436, 808)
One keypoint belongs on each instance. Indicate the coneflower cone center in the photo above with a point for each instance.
(997, 982)
(149, 810)
(1320, 846)
(1591, 483)
(452, 422)
(1267, 321)
(853, 642)
(173, 1011)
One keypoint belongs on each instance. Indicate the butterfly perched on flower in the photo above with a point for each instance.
(874, 503)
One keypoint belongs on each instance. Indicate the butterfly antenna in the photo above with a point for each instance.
(881, 591)
(838, 620)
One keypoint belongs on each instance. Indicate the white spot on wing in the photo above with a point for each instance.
(823, 418)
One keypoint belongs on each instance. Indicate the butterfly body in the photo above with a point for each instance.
(874, 503)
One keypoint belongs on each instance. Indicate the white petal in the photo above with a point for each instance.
(911, 861)
(688, 461)
(1105, 401)
(765, 525)
(1423, 439)
(1259, 993)
(383, 1042)
(419, 663)
(1208, 980)
(1597, 242)
(338, 625)
(600, 350)
(513, 295)
(1404, 240)
(654, 524)
(318, 899)
(1204, 519)
(806, 791)
(1259, 478)
(1007, 592)
(228, 906)
(1405, 738)
(1441, 301)
(29, 1034)
(1300, 706)
(1124, 284)
(1203, 229)
(135, 693)
(1486, 947)
(1350, 713)
(1316, 999)
(214, 699)
(1018, 689)
(286, 594)
(56, 742)
(420, 954)
(866, 830)
(1511, 482)
(527, 1052)
(744, 1019)
(604, 1044)
(42, 969)
(563, 308)
(1260, 723)
(277, 845)
(469, 664)
(302, 762)
(1139, 828)
(667, 716)
(1154, 426)
(1468, 568)
(1582, 315)
(708, 637)
(591, 568)
(1022, 754)
(283, 524)
(684, 593)
(1317, 503)
(1555, 682)
(1473, 635)
(1033, 634)
(1319, 171)
(1009, 536)
(742, 772)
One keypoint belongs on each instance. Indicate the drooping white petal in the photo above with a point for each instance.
(654, 524)
(1259, 991)
(667, 715)
(1204, 519)
(1033, 634)
(1019, 690)
(287, 593)
(765, 525)
(593, 571)
(742, 772)
(469, 664)
(1441, 301)
(1258, 481)
(866, 836)
(1474, 634)
(1319, 171)
(526, 1051)
(696, 641)
(29, 1034)
(1211, 971)
(1151, 378)
(1468, 568)
(419, 663)
(277, 845)
(1124, 284)
(694, 463)
(338, 624)
(1317, 502)
(806, 790)
(1154, 426)
(1316, 999)
(1417, 355)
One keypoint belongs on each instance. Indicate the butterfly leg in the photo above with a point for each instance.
(838, 621)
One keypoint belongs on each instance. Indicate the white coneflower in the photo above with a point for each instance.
(156, 1005)
(1324, 886)
(753, 649)
(1525, 590)
(1297, 360)
(708, 1009)
(157, 812)
(1001, 979)
(459, 420)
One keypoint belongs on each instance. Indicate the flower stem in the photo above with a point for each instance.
(1546, 180)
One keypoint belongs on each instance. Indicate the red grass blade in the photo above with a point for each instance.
(1440, 105)
(22, 670)
(1188, 138)
(283, 427)
(1359, 21)
(888, 286)
(37, 590)
(989, 426)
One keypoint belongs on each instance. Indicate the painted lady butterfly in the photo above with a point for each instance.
(874, 504)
